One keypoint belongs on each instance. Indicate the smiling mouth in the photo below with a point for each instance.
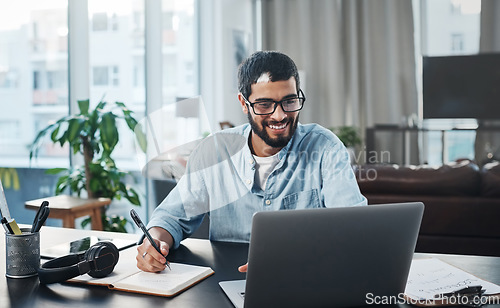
(278, 126)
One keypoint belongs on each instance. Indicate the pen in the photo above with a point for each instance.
(40, 217)
(465, 291)
(6, 226)
(139, 223)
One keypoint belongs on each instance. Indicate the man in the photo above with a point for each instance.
(272, 163)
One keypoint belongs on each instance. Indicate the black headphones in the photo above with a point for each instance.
(98, 261)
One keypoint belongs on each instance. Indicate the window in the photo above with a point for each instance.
(34, 69)
(439, 24)
(179, 61)
(33, 77)
(99, 22)
(114, 52)
(8, 78)
(57, 79)
(100, 75)
(102, 21)
(449, 27)
(115, 76)
(138, 73)
(36, 80)
(465, 7)
(106, 76)
(457, 42)
(114, 22)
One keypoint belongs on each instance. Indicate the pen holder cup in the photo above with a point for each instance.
(22, 254)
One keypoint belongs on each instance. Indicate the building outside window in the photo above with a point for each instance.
(33, 78)
(449, 27)
(34, 67)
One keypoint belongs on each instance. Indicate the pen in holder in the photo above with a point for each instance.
(22, 254)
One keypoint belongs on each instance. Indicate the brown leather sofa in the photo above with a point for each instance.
(462, 203)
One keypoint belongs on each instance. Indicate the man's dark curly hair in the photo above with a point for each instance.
(278, 65)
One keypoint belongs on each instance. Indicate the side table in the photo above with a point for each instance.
(68, 208)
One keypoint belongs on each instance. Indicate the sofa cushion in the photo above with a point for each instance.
(455, 179)
(490, 186)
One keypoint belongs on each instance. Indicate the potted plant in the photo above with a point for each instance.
(93, 134)
(349, 135)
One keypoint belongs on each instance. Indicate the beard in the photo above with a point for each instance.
(280, 141)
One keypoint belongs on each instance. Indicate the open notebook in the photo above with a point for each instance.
(127, 277)
(432, 282)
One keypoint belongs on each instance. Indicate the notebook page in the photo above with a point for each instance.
(167, 282)
(429, 277)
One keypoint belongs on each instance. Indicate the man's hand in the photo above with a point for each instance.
(148, 259)
(243, 268)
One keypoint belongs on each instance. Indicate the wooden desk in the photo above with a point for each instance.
(222, 257)
(69, 208)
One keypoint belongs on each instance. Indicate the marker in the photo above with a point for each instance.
(15, 228)
(139, 223)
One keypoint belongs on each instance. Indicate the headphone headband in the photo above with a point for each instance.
(98, 261)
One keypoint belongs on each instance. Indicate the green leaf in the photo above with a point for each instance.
(61, 184)
(95, 185)
(85, 222)
(74, 128)
(54, 134)
(99, 108)
(84, 106)
(133, 197)
(108, 132)
(55, 170)
(74, 186)
(62, 140)
(93, 123)
(131, 122)
(96, 168)
(141, 137)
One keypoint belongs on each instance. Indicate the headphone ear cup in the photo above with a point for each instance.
(103, 257)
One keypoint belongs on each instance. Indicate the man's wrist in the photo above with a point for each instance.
(162, 235)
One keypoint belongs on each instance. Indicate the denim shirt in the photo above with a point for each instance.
(313, 171)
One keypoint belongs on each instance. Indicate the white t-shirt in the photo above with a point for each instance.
(263, 167)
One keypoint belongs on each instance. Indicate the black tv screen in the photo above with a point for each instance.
(462, 87)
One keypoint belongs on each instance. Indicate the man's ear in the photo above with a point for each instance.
(244, 105)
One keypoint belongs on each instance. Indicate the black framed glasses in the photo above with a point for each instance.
(268, 106)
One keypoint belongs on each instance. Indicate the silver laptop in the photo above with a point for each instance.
(328, 257)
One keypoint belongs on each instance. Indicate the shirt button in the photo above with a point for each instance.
(268, 202)
(249, 182)
(250, 161)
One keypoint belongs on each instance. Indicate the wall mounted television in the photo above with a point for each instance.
(462, 87)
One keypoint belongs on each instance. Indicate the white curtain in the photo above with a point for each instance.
(358, 57)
